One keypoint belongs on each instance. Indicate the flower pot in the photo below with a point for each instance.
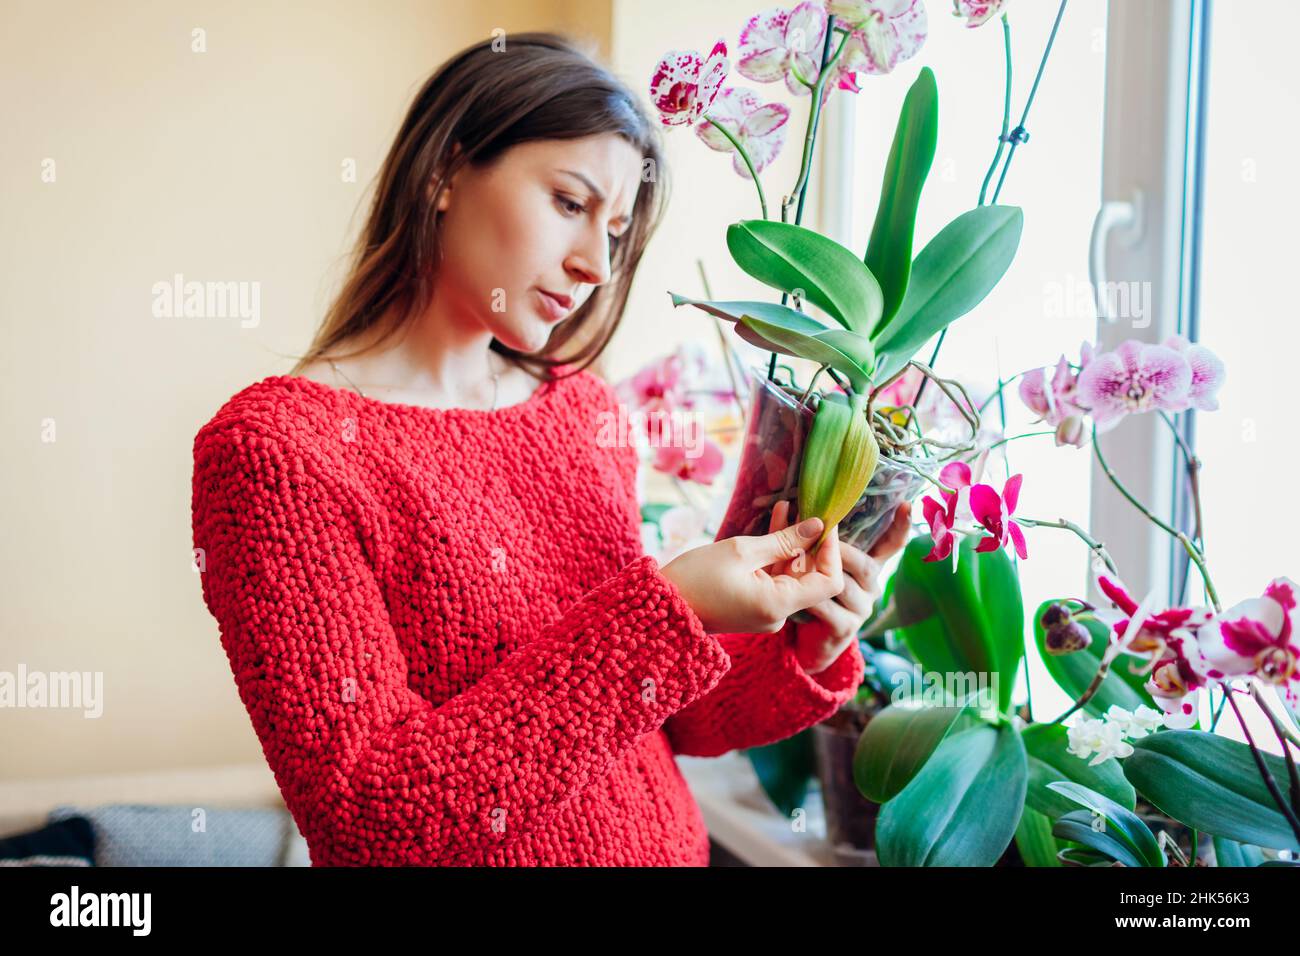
(776, 432)
(850, 817)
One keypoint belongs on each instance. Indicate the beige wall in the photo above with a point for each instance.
(221, 165)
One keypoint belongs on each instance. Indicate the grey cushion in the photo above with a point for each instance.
(148, 835)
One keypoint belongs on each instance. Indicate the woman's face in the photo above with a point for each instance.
(540, 219)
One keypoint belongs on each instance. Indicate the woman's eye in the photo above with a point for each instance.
(569, 205)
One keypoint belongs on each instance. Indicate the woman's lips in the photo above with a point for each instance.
(555, 307)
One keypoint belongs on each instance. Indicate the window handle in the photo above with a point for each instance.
(1114, 215)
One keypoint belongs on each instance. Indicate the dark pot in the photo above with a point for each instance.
(850, 817)
(776, 431)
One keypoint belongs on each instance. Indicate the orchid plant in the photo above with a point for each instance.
(1136, 669)
(858, 318)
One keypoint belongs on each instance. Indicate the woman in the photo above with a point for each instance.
(426, 569)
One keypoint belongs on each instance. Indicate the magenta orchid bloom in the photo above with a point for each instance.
(684, 85)
(885, 33)
(1178, 670)
(784, 45)
(977, 12)
(1056, 402)
(1136, 377)
(1208, 372)
(994, 511)
(942, 517)
(673, 459)
(1259, 637)
(759, 128)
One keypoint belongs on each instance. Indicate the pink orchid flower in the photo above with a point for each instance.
(1259, 637)
(1056, 402)
(885, 33)
(993, 512)
(760, 129)
(1178, 670)
(1208, 372)
(784, 45)
(683, 85)
(1136, 377)
(977, 12)
(674, 458)
(942, 517)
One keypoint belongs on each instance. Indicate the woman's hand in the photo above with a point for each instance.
(752, 583)
(818, 643)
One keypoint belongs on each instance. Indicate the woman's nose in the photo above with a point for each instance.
(591, 267)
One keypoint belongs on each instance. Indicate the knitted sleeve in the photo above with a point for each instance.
(371, 771)
(766, 696)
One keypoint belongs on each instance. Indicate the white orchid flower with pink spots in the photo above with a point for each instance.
(977, 12)
(1137, 377)
(684, 85)
(1259, 637)
(759, 128)
(780, 44)
(885, 33)
(1208, 372)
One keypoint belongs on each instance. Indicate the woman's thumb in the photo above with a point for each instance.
(789, 542)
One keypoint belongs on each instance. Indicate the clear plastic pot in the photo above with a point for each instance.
(776, 432)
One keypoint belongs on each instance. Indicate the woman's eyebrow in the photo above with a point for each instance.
(600, 196)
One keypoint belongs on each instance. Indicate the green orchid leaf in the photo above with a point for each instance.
(773, 312)
(811, 347)
(785, 769)
(952, 275)
(1077, 826)
(896, 744)
(1231, 853)
(963, 806)
(1211, 783)
(1118, 823)
(889, 251)
(966, 624)
(1034, 839)
(802, 262)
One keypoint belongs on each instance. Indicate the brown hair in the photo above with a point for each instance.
(537, 86)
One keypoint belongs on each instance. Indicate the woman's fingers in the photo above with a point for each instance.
(896, 537)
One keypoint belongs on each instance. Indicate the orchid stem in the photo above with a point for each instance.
(1191, 549)
(762, 200)
(1291, 816)
(1093, 545)
(1006, 110)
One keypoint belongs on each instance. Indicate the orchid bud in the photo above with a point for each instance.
(1070, 431)
(1063, 634)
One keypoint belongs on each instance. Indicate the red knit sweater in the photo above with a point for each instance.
(450, 644)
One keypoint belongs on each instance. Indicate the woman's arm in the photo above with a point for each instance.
(766, 696)
(369, 768)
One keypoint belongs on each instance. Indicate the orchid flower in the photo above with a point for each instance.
(780, 44)
(1208, 372)
(1104, 737)
(1178, 669)
(1259, 637)
(942, 517)
(683, 85)
(885, 33)
(994, 511)
(673, 457)
(1136, 377)
(1055, 403)
(760, 129)
(977, 12)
